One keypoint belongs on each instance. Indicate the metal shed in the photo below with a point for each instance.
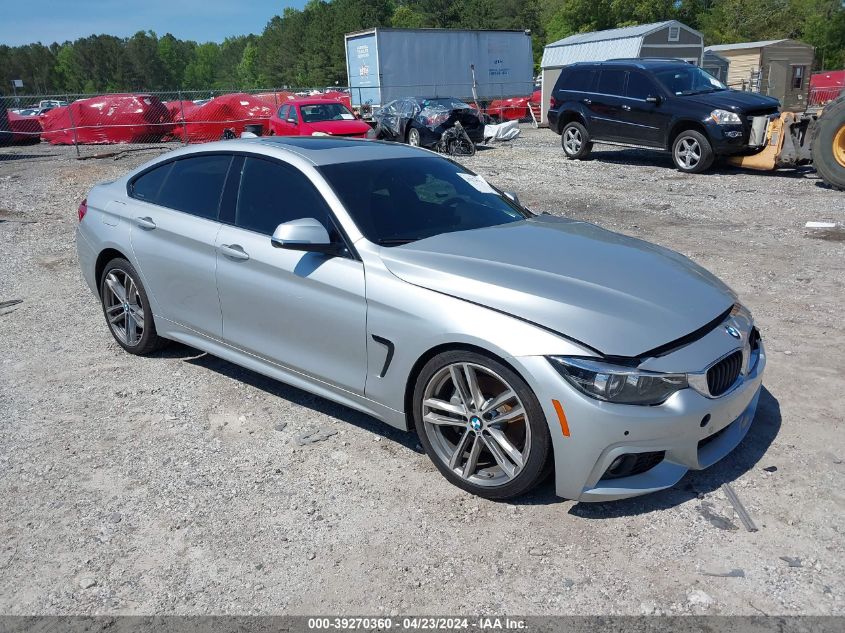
(778, 68)
(716, 65)
(659, 39)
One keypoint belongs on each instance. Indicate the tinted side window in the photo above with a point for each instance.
(611, 81)
(292, 116)
(640, 86)
(194, 185)
(147, 187)
(578, 80)
(283, 112)
(272, 193)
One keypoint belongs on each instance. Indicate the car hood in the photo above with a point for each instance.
(735, 100)
(350, 126)
(619, 295)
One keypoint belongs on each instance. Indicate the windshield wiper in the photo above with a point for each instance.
(396, 241)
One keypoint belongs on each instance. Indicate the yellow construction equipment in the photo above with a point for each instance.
(799, 139)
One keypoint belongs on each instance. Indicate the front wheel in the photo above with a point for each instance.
(414, 137)
(829, 144)
(481, 425)
(692, 152)
(575, 140)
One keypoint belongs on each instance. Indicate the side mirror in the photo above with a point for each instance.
(307, 235)
(294, 121)
(654, 100)
(512, 196)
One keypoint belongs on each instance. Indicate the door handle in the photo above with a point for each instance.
(626, 107)
(145, 223)
(235, 251)
(587, 101)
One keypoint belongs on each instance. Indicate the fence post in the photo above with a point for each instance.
(72, 125)
(184, 125)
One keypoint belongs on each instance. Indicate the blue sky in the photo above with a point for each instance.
(202, 20)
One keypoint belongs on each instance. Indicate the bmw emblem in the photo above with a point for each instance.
(475, 423)
(730, 329)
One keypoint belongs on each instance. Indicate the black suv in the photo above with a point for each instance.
(664, 104)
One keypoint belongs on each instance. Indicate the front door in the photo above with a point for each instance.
(643, 122)
(304, 311)
(173, 232)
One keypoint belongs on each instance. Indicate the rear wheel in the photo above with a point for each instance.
(481, 425)
(127, 310)
(575, 140)
(692, 152)
(829, 145)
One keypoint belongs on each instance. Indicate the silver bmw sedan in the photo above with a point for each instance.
(401, 284)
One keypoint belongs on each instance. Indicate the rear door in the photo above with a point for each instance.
(304, 311)
(606, 105)
(174, 226)
(642, 122)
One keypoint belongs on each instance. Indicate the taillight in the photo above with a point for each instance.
(552, 103)
(83, 209)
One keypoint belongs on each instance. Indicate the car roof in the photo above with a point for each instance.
(643, 63)
(311, 101)
(317, 150)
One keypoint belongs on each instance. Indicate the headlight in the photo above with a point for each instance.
(616, 383)
(725, 117)
(371, 133)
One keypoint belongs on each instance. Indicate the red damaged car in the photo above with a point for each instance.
(317, 117)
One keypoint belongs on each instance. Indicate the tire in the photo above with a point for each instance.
(450, 435)
(136, 336)
(829, 144)
(413, 137)
(692, 152)
(575, 140)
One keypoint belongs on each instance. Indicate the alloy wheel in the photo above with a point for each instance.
(476, 424)
(124, 307)
(572, 140)
(687, 153)
(414, 137)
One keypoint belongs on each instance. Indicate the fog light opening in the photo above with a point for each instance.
(633, 464)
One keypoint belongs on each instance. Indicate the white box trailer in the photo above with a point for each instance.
(386, 64)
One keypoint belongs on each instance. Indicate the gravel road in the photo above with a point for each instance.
(181, 484)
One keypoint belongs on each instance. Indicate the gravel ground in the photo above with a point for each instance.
(177, 484)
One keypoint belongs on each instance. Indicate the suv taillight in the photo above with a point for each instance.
(552, 103)
(83, 209)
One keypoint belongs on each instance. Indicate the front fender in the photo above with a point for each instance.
(408, 321)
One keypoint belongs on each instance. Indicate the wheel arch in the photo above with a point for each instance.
(567, 116)
(683, 126)
(411, 381)
(105, 256)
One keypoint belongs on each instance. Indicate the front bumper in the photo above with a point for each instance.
(600, 432)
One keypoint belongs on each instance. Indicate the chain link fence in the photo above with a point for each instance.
(102, 124)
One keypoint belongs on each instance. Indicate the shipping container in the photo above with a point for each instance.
(387, 64)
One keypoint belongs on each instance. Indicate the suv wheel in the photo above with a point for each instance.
(691, 152)
(575, 140)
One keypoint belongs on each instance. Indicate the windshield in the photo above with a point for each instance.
(402, 200)
(316, 112)
(688, 80)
